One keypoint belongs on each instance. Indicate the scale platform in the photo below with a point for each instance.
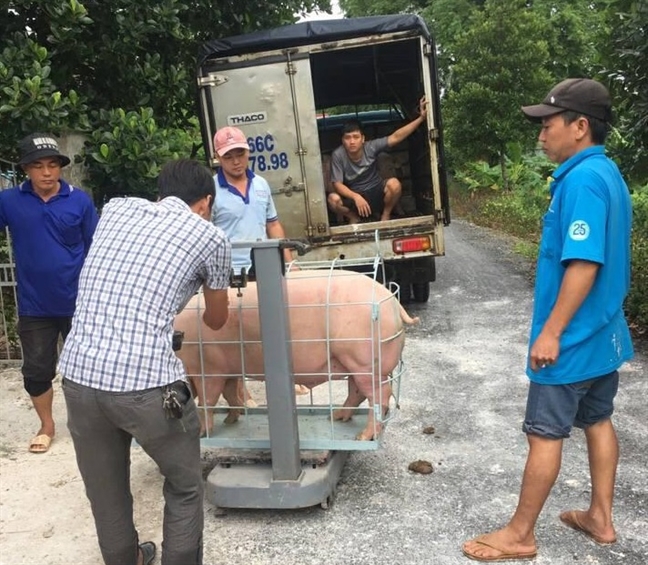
(317, 430)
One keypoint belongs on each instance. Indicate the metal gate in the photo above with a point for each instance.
(10, 352)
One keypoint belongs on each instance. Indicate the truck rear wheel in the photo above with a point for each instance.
(421, 291)
(405, 296)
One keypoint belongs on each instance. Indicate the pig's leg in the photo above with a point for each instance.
(233, 392)
(209, 390)
(381, 392)
(353, 400)
(244, 394)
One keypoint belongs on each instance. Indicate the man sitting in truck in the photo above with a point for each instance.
(359, 191)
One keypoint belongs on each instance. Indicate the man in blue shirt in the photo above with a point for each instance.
(51, 225)
(579, 335)
(244, 208)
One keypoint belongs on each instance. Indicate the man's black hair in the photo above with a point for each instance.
(598, 128)
(186, 179)
(351, 126)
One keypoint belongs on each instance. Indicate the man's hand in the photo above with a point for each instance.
(423, 106)
(362, 205)
(544, 351)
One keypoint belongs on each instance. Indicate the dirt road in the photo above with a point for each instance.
(465, 377)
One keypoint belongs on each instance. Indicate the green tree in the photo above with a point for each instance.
(573, 32)
(625, 62)
(359, 8)
(65, 60)
(500, 66)
(449, 20)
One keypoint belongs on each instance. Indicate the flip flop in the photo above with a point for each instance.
(148, 552)
(570, 519)
(40, 443)
(501, 556)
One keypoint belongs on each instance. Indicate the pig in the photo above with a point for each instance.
(331, 316)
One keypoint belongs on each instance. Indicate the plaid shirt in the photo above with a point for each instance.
(146, 261)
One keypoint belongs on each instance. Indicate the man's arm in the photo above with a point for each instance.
(216, 307)
(408, 129)
(576, 285)
(275, 230)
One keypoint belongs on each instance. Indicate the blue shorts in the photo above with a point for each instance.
(552, 410)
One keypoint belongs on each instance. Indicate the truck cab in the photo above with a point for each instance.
(291, 89)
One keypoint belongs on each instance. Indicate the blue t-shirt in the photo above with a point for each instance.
(589, 219)
(243, 218)
(50, 241)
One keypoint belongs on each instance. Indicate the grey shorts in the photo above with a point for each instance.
(552, 410)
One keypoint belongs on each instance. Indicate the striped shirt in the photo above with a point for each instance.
(146, 261)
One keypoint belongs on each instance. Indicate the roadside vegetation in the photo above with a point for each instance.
(478, 195)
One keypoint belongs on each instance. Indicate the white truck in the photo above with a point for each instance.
(291, 88)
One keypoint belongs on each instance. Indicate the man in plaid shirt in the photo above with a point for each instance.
(146, 261)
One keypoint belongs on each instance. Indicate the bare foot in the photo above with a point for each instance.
(581, 521)
(385, 216)
(498, 546)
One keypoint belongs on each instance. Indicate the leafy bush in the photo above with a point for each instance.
(126, 151)
(30, 99)
(478, 196)
(518, 210)
(637, 302)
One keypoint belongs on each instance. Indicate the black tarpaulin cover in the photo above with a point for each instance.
(305, 33)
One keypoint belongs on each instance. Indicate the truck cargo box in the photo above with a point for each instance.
(291, 89)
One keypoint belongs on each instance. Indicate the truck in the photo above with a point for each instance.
(290, 90)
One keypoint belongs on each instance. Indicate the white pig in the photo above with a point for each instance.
(341, 323)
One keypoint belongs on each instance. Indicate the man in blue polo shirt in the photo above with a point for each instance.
(244, 207)
(51, 225)
(579, 335)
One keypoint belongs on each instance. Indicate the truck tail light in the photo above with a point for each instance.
(409, 244)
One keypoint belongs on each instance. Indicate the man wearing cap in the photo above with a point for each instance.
(51, 225)
(579, 335)
(245, 209)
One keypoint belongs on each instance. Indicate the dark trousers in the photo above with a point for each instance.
(102, 425)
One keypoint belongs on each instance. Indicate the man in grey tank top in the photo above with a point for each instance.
(359, 190)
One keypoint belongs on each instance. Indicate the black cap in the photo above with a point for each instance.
(582, 95)
(40, 146)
